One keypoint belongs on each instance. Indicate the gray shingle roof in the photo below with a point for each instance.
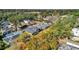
(31, 29)
(12, 36)
(42, 25)
(36, 28)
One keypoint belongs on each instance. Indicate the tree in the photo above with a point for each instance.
(3, 45)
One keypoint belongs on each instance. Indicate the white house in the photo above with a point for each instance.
(75, 32)
(26, 21)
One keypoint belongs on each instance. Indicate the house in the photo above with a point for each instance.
(11, 36)
(68, 46)
(32, 29)
(36, 28)
(73, 46)
(50, 19)
(6, 32)
(24, 22)
(42, 25)
(5, 26)
(75, 32)
(33, 22)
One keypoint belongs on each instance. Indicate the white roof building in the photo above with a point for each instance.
(75, 32)
(26, 21)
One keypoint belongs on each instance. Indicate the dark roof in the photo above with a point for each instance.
(42, 25)
(36, 28)
(4, 25)
(31, 29)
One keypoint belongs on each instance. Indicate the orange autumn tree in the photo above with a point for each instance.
(20, 42)
(42, 41)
